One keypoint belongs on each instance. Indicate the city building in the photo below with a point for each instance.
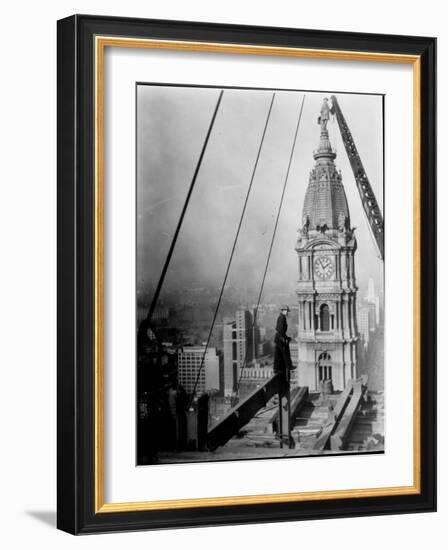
(257, 374)
(368, 313)
(326, 288)
(370, 296)
(192, 360)
(367, 320)
(373, 298)
(241, 347)
(363, 316)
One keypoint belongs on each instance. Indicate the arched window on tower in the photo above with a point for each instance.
(324, 318)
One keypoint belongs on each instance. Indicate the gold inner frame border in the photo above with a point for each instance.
(100, 44)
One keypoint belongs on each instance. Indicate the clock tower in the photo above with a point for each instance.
(326, 286)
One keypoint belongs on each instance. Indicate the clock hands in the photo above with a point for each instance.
(323, 267)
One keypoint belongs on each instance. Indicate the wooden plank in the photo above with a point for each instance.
(338, 439)
(323, 438)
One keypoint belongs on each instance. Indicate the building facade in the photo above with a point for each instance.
(241, 347)
(366, 317)
(191, 361)
(326, 288)
(373, 298)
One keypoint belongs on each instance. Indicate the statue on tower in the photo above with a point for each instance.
(324, 114)
(343, 223)
(305, 226)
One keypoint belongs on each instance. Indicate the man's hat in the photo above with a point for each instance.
(285, 307)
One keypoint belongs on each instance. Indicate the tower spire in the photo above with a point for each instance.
(324, 150)
(325, 205)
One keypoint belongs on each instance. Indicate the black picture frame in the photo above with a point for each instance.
(76, 511)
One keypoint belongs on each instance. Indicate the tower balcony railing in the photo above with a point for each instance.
(328, 334)
(331, 150)
(329, 153)
(323, 334)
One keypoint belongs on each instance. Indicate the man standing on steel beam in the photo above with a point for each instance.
(282, 356)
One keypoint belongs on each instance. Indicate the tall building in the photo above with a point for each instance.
(191, 361)
(367, 320)
(363, 316)
(373, 298)
(370, 296)
(326, 287)
(241, 347)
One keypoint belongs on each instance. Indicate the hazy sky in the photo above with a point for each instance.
(171, 127)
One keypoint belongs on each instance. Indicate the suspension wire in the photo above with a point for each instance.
(273, 236)
(184, 209)
(233, 250)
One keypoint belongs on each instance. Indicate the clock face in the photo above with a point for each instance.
(323, 267)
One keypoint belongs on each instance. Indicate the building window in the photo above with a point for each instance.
(325, 373)
(324, 367)
(324, 318)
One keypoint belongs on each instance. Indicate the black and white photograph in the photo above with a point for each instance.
(222, 217)
(259, 273)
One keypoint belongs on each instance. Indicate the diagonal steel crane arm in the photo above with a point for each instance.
(368, 199)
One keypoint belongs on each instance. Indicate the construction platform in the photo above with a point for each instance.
(341, 423)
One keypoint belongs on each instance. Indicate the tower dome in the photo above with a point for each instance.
(325, 206)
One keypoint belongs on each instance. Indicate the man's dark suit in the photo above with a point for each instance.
(282, 357)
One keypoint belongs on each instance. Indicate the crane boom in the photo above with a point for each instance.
(368, 199)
